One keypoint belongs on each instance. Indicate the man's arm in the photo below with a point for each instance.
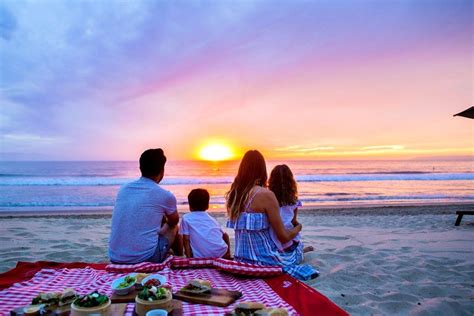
(187, 247)
(172, 219)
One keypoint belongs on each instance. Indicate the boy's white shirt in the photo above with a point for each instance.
(205, 235)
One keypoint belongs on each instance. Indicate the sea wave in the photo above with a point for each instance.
(305, 201)
(112, 181)
(421, 197)
(385, 177)
(105, 181)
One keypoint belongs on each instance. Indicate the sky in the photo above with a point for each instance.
(354, 79)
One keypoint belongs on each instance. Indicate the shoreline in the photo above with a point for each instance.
(354, 209)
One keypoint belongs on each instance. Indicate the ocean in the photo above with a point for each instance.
(87, 185)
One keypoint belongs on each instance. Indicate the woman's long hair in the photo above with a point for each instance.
(252, 171)
(283, 184)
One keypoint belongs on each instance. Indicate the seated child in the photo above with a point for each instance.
(203, 237)
(283, 184)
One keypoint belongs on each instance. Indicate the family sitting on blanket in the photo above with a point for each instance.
(145, 218)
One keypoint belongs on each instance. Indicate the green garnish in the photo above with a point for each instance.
(91, 300)
(129, 280)
(152, 294)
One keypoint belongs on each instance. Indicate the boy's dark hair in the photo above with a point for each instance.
(152, 162)
(198, 200)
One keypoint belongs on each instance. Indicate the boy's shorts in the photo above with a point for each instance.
(161, 250)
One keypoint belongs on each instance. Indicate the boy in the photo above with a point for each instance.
(202, 235)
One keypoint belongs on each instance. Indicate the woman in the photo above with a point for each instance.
(253, 212)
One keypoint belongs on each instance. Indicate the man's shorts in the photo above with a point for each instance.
(161, 250)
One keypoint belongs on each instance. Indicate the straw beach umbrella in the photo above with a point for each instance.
(469, 113)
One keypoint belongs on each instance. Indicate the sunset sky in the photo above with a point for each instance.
(104, 80)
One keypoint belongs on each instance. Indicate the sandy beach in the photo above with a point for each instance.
(380, 260)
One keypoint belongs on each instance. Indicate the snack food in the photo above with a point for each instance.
(272, 312)
(47, 298)
(254, 309)
(197, 286)
(247, 308)
(51, 300)
(67, 296)
(93, 303)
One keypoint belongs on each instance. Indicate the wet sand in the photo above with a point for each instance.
(382, 260)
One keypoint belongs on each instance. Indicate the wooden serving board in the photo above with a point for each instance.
(115, 309)
(129, 298)
(60, 311)
(177, 308)
(217, 297)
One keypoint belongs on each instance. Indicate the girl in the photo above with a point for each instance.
(283, 184)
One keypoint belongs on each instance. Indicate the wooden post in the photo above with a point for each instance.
(458, 220)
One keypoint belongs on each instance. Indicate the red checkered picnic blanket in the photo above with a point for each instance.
(19, 285)
(88, 279)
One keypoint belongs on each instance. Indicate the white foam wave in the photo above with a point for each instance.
(111, 181)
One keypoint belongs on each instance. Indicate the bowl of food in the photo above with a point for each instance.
(93, 303)
(153, 298)
(156, 280)
(123, 285)
(197, 287)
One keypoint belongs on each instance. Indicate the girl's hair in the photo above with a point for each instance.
(252, 171)
(283, 184)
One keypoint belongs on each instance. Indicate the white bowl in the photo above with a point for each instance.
(157, 312)
(159, 277)
(124, 290)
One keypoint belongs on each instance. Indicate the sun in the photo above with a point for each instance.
(216, 152)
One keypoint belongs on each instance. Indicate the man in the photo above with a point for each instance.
(137, 234)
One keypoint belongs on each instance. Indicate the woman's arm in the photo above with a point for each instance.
(270, 205)
(227, 255)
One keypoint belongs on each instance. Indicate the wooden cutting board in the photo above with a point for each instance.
(129, 298)
(217, 297)
(115, 309)
(177, 309)
(60, 311)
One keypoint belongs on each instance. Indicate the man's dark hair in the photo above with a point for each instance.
(198, 200)
(152, 162)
